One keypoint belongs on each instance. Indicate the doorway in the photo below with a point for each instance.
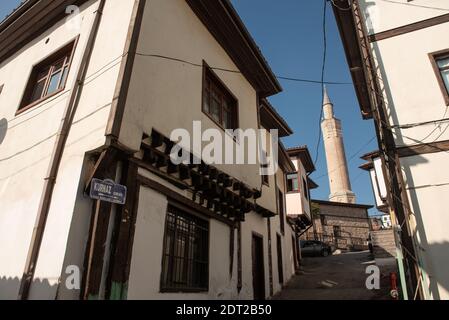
(258, 267)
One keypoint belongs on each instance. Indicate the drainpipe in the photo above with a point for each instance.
(58, 150)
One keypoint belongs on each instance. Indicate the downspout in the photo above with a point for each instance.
(55, 161)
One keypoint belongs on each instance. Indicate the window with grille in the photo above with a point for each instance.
(185, 263)
(48, 77)
(218, 102)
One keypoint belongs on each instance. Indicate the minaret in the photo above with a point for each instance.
(337, 166)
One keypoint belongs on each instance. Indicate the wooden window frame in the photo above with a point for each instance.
(305, 188)
(280, 259)
(434, 57)
(287, 186)
(167, 287)
(209, 73)
(66, 52)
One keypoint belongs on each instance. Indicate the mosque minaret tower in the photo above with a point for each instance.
(339, 183)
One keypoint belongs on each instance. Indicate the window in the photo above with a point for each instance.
(305, 189)
(264, 167)
(292, 182)
(218, 102)
(337, 231)
(185, 262)
(440, 62)
(48, 77)
(266, 180)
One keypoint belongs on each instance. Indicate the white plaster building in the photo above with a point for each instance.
(97, 94)
(398, 54)
(299, 185)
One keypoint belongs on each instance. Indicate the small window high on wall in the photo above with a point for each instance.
(292, 183)
(48, 77)
(219, 104)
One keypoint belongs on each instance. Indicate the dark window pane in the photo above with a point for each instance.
(445, 75)
(227, 120)
(206, 101)
(58, 65)
(37, 91)
(218, 103)
(215, 109)
(443, 63)
(185, 260)
(43, 74)
(292, 182)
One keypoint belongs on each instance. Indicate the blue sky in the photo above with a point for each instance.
(289, 33)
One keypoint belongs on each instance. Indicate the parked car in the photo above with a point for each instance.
(310, 248)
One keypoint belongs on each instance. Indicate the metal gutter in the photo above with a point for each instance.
(50, 180)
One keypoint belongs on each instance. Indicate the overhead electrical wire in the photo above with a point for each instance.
(237, 71)
(323, 71)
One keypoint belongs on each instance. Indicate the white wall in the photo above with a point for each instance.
(387, 15)
(296, 202)
(412, 95)
(25, 152)
(166, 95)
(427, 188)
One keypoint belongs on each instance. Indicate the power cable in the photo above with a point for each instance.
(350, 159)
(193, 64)
(323, 70)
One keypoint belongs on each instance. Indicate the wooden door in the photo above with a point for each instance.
(258, 268)
(280, 262)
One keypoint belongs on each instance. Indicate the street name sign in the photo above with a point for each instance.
(108, 190)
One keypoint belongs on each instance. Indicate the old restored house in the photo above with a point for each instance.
(398, 54)
(95, 91)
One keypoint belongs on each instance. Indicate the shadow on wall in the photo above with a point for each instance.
(439, 253)
(3, 129)
(9, 287)
(442, 249)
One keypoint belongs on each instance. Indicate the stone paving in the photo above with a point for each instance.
(337, 277)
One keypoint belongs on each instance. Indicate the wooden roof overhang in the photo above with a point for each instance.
(211, 188)
(33, 17)
(303, 154)
(347, 28)
(28, 21)
(271, 119)
(223, 22)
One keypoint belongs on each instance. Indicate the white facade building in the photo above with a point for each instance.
(408, 42)
(97, 94)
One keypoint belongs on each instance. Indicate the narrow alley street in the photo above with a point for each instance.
(337, 277)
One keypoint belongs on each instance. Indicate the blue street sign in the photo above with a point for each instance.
(108, 190)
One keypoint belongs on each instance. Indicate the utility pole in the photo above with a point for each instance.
(397, 195)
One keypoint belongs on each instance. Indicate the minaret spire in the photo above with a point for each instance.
(327, 106)
(339, 183)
